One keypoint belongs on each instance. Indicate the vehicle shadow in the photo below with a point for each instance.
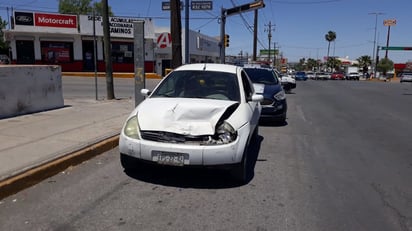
(269, 123)
(195, 177)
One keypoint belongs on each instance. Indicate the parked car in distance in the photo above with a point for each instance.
(4, 59)
(288, 82)
(198, 115)
(337, 76)
(274, 106)
(301, 75)
(353, 76)
(406, 77)
(322, 76)
(311, 75)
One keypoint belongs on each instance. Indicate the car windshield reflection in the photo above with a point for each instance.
(200, 85)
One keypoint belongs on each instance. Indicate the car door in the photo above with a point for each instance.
(254, 107)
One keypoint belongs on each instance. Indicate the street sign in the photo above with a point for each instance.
(201, 5)
(397, 48)
(245, 8)
(166, 5)
(266, 52)
(389, 22)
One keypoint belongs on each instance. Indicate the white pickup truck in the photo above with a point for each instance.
(288, 82)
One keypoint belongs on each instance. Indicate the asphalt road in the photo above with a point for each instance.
(342, 162)
(85, 87)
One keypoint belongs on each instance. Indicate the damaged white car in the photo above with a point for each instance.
(198, 115)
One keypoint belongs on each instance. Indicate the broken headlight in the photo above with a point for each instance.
(226, 133)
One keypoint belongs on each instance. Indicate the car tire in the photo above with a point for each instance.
(128, 162)
(239, 171)
(242, 172)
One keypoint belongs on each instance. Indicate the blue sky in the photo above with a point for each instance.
(299, 26)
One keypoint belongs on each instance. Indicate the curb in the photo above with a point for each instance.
(115, 75)
(35, 175)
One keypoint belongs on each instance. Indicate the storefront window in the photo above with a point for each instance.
(122, 52)
(56, 52)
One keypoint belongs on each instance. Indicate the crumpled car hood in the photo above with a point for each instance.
(181, 116)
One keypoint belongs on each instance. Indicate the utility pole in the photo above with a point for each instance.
(187, 32)
(269, 30)
(255, 32)
(274, 54)
(107, 51)
(388, 23)
(176, 31)
(374, 41)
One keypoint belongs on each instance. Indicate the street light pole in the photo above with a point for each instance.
(374, 41)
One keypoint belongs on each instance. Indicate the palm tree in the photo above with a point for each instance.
(364, 62)
(334, 63)
(330, 37)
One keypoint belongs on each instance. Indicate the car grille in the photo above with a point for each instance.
(168, 137)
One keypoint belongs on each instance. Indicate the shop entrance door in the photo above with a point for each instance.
(88, 55)
(166, 63)
(25, 52)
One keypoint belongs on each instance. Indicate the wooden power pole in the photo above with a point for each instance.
(107, 51)
(176, 31)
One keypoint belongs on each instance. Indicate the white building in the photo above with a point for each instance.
(68, 40)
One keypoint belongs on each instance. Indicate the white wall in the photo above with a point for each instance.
(27, 88)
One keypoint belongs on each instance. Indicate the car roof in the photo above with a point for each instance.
(209, 67)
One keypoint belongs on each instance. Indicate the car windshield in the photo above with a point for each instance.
(264, 76)
(199, 84)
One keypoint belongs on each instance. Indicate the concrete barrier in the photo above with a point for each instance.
(29, 88)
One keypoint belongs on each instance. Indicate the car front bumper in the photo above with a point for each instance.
(276, 111)
(402, 80)
(194, 154)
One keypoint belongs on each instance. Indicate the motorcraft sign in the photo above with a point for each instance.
(33, 21)
(55, 20)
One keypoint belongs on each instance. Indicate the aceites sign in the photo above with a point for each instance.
(119, 26)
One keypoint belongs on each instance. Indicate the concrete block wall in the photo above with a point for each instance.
(26, 89)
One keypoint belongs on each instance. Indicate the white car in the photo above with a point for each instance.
(311, 75)
(198, 115)
(322, 76)
(288, 82)
(406, 77)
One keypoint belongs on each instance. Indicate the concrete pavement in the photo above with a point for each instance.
(36, 146)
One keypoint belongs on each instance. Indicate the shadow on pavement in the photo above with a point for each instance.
(194, 177)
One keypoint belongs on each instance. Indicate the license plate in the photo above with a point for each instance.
(170, 158)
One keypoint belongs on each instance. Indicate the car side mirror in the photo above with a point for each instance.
(145, 92)
(257, 98)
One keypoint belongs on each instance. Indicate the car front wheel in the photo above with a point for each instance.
(243, 172)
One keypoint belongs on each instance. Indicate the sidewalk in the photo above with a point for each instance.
(30, 142)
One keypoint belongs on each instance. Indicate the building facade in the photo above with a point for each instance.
(71, 41)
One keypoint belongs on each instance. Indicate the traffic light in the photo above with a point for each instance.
(226, 40)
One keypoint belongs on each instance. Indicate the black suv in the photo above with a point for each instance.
(274, 106)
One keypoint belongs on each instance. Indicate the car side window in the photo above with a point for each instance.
(248, 89)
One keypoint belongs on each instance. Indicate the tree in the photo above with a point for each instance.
(301, 65)
(84, 7)
(311, 63)
(4, 46)
(364, 62)
(334, 63)
(385, 65)
(330, 37)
